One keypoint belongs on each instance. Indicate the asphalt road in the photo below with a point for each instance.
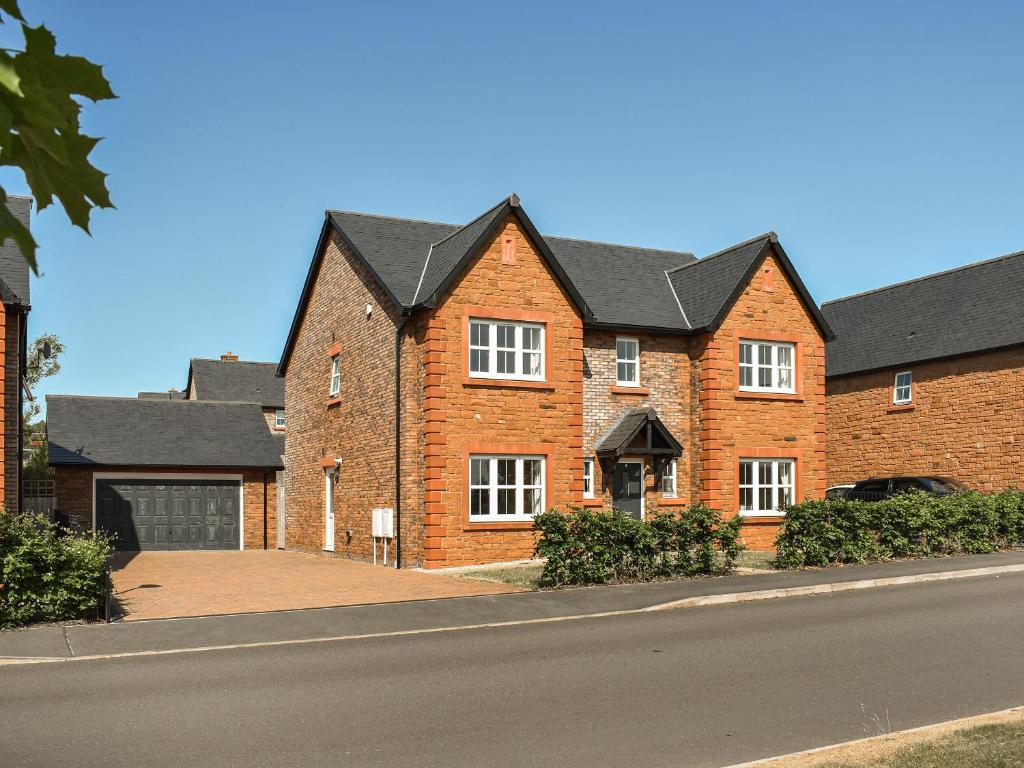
(702, 687)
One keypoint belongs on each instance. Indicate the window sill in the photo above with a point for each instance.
(592, 503)
(498, 525)
(278, 429)
(672, 501)
(900, 408)
(772, 517)
(794, 397)
(331, 401)
(637, 391)
(473, 381)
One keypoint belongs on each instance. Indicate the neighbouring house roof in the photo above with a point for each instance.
(616, 286)
(14, 279)
(129, 431)
(171, 394)
(236, 380)
(638, 431)
(974, 308)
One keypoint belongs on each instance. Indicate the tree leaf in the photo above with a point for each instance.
(10, 7)
(9, 77)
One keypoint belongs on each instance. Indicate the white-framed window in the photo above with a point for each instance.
(668, 480)
(335, 376)
(279, 420)
(505, 487)
(767, 366)
(627, 361)
(502, 349)
(903, 388)
(766, 485)
(588, 478)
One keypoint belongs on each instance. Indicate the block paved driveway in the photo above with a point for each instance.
(158, 585)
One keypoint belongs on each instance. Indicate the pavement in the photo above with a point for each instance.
(78, 640)
(156, 585)
(706, 687)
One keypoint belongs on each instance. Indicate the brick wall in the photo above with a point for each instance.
(462, 417)
(737, 425)
(7, 318)
(664, 385)
(10, 354)
(358, 425)
(74, 488)
(964, 422)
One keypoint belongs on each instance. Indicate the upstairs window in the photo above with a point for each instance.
(500, 349)
(668, 480)
(627, 361)
(588, 478)
(279, 418)
(335, 376)
(767, 366)
(902, 390)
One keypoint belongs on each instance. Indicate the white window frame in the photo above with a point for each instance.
(635, 381)
(588, 478)
(335, 388)
(669, 477)
(279, 418)
(755, 486)
(517, 348)
(492, 487)
(772, 365)
(896, 387)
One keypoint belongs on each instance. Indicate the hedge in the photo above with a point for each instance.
(837, 531)
(596, 547)
(47, 574)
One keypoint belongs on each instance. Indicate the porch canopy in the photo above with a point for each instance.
(639, 432)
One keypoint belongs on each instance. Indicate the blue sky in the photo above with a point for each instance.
(880, 140)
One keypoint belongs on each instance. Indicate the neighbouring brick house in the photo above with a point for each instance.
(503, 372)
(927, 377)
(14, 292)
(193, 469)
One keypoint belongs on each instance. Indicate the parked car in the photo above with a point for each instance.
(838, 491)
(878, 488)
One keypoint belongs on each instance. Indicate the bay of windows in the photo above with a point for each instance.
(500, 349)
(767, 366)
(505, 487)
(766, 485)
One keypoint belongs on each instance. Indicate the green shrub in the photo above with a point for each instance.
(597, 547)
(46, 575)
(836, 531)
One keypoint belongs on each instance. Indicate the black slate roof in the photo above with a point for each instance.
(617, 286)
(13, 267)
(237, 380)
(622, 431)
(129, 431)
(971, 309)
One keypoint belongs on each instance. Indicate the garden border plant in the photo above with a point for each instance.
(49, 574)
(910, 525)
(584, 546)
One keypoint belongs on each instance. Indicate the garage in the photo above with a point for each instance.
(169, 514)
(166, 474)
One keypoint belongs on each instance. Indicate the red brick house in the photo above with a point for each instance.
(470, 376)
(927, 377)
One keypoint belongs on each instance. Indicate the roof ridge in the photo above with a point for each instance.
(678, 302)
(137, 399)
(494, 207)
(393, 218)
(770, 236)
(218, 360)
(922, 278)
(620, 245)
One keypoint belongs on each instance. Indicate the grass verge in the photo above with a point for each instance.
(987, 741)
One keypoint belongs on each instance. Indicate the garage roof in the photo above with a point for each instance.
(129, 431)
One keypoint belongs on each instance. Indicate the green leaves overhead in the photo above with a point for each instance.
(40, 132)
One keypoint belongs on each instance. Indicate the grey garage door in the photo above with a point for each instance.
(169, 514)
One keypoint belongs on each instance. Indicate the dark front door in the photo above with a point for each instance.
(169, 514)
(628, 488)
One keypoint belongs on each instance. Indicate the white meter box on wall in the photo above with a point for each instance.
(384, 523)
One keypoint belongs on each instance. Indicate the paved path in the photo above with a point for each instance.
(154, 585)
(704, 687)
